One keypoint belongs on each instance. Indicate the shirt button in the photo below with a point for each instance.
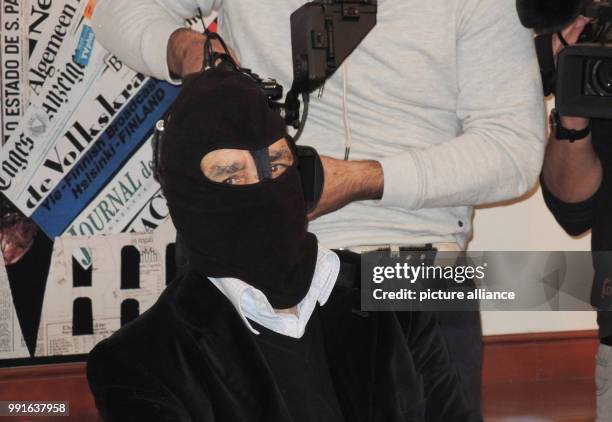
(460, 223)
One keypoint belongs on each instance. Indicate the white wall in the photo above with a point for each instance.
(524, 226)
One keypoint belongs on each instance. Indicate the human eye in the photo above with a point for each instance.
(232, 180)
(280, 160)
(278, 168)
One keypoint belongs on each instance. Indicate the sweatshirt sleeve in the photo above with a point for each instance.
(137, 31)
(499, 152)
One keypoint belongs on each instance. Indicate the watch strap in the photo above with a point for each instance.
(564, 134)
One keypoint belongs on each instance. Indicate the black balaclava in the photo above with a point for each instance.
(256, 233)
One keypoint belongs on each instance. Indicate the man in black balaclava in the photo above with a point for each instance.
(256, 233)
(263, 325)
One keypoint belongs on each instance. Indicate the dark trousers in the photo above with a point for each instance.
(463, 334)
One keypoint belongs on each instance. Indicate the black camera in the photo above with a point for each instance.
(323, 34)
(582, 76)
(584, 70)
(272, 89)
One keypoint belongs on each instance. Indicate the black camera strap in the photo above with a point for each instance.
(212, 58)
(562, 39)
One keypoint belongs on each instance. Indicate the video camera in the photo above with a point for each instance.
(323, 34)
(582, 78)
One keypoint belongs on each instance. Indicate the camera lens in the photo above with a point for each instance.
(602, 77)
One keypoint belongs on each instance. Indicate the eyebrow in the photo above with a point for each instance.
(282, 153)
(223, 170)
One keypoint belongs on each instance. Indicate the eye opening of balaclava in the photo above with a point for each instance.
(257, 232)
(239, 167)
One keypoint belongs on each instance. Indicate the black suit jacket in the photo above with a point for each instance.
(190, 357)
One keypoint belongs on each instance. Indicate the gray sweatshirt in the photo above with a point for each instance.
(446, 94)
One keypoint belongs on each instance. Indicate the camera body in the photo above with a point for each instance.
(600, 11)
(323, 34)
(582, 76)
(272, 90)
(584, 81)
(584, 70)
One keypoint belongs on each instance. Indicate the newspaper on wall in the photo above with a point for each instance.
(132, 196)
(12, 343)
(200, 24)
(40, 152)
(63, 110)
(76, 106)
(52, 25)
(55, 334)
(14, 92)
(107, 156)
(60, 157)
(154, 213)
(33, 33)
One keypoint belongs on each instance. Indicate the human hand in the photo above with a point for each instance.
(348, 181)
(571, 33)
(186, 51)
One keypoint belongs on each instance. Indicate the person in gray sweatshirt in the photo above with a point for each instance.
(439, 109)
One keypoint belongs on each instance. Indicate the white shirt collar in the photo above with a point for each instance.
(252, 304)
